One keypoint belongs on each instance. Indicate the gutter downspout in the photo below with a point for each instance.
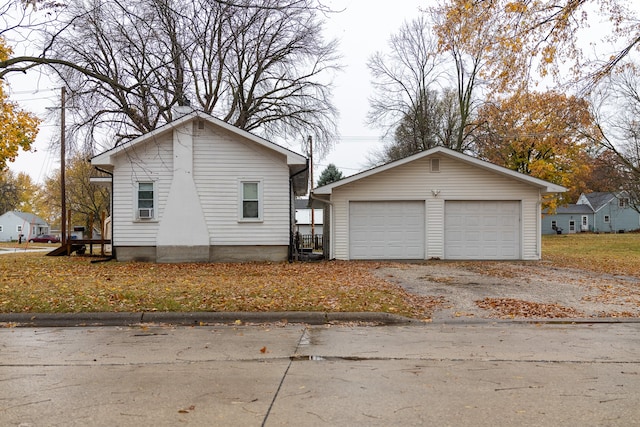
(291, 208)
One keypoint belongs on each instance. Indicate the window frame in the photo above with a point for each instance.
(242, 200)
(607, 219)
(154, 202)
(18, 229)
(1, 228)
(623, 202)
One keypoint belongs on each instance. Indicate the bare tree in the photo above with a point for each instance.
(260, 65)
(617, 111)
(405, 81)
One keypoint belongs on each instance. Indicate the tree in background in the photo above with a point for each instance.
(17, 192)
(542, 135)
(617, 110)
(84, 199)
(18, 128)
(406, 102)
(329, 174)
(467, 39)
(543, 36)
(436, 125)
(261, 66)
(9, 192)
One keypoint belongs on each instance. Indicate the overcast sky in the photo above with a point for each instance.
(362, 28)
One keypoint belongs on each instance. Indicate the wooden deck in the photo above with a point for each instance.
(79, 246)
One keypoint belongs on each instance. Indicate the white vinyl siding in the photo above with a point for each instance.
(222, 160)
(148, 162)
(456, 180)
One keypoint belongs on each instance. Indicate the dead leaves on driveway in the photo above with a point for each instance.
(511, 308)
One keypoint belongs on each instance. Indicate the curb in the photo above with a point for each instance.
(196, 318)
(48, 320)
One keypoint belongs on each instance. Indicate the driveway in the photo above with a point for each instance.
(514, 290)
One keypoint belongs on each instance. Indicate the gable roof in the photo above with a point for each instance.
(597, 200)
(105, 158)
(28, 217)
(545, 186)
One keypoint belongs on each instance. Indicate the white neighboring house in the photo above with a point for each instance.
(15, 223)
(303, 218)
(437, 204)
(200, 190)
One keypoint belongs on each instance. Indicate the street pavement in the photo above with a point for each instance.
(348, 374)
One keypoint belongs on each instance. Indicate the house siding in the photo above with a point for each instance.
(152, 161)
(455, 181)
(220, 162)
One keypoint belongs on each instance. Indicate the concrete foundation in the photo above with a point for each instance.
(167, 254)
(248, 253)
(175, 254)
(135, 253)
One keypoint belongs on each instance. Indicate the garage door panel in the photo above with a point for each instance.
(482, 230)
(386, 230)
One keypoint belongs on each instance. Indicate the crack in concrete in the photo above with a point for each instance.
(303, 336)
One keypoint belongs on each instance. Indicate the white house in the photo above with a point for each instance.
(198, 189)
(14, 223)
(437, 204)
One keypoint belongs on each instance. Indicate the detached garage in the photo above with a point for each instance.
(435, 204)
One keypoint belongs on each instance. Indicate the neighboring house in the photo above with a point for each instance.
(199, 190)
(303, 218)
(437, 204)
(601, 212)
(14, 223)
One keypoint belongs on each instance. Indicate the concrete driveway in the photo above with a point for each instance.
(508, 290)
(459, 374)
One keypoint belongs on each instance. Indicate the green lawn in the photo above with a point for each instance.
(607, 253)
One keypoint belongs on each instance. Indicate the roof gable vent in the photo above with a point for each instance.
(435, 165)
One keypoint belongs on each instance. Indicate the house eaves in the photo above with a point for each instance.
(545, 186)
(105, 159)
(573, 209)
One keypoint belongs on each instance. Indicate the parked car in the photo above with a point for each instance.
(45, 238)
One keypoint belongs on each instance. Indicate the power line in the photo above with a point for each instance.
(32, 92)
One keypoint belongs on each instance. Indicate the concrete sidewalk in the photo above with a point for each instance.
(480, 374)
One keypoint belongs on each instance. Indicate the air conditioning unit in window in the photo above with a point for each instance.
(145, 213)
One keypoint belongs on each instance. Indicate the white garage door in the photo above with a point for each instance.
(482, 230)
(386, 230)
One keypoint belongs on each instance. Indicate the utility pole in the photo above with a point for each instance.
(313, 227)
(63, 199)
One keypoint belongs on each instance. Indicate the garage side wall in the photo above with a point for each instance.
(456, 180)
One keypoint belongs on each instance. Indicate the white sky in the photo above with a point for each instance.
(363, 28)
